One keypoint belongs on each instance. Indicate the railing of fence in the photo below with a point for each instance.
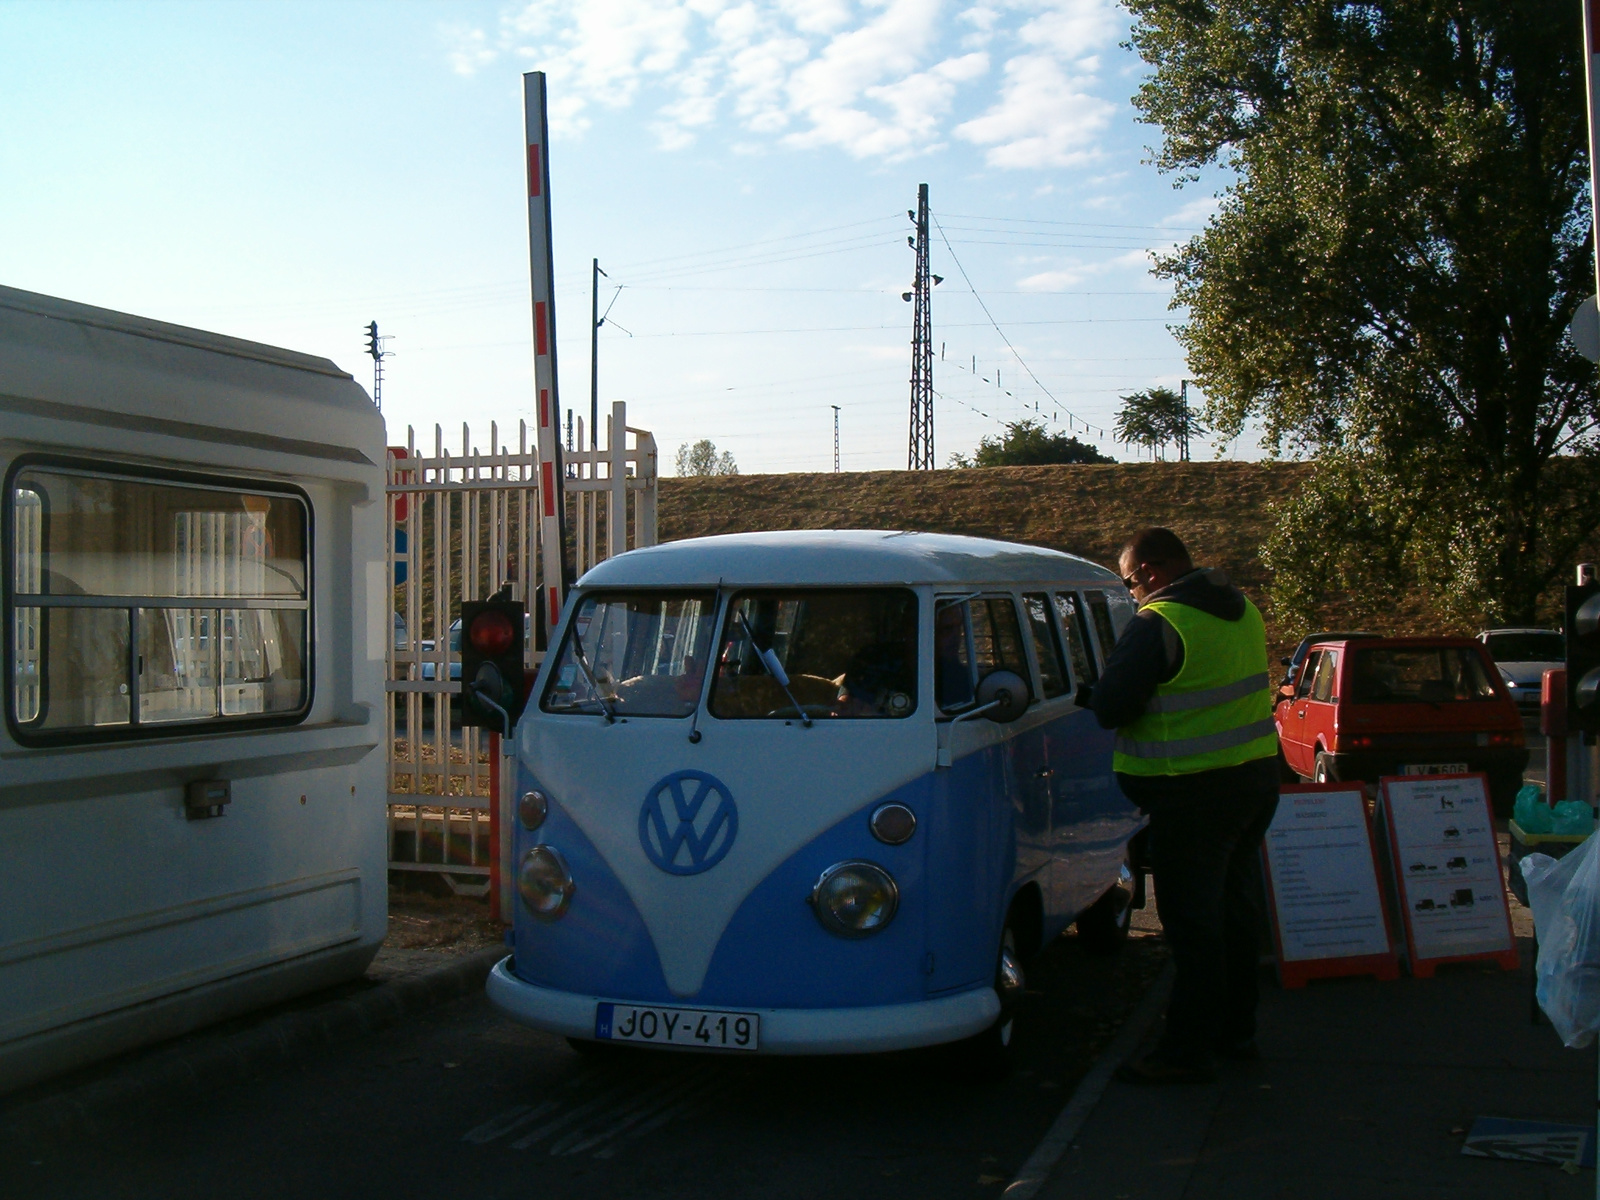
(461, 525)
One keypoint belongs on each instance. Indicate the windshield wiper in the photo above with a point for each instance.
(577, 650)
(769, 660)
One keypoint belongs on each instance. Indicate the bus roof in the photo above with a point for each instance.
(841, 556)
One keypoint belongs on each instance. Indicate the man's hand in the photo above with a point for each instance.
(1083, 695)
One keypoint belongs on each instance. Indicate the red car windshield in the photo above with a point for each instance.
(1429, 675)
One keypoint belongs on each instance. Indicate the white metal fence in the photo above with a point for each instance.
(461, 526)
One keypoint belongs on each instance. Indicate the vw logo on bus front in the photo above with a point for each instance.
(688, 823)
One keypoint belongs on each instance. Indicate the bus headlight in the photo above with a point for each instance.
(544, 883)
(855, 899)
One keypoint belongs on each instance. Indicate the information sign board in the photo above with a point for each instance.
(1446, 868)
(1323, 887)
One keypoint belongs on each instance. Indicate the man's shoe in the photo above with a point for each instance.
(1244, 1050)
(1153, 1070)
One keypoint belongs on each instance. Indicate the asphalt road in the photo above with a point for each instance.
(461, 1103)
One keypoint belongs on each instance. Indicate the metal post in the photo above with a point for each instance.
(835, 408)
(541, 278)
(920, 455)
(617, 514)
(594, 353)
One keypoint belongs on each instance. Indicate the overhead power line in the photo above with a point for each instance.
(1060, 408)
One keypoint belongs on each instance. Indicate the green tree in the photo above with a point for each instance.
(1029, 444)
(1155, 418)
(702, 459)
(1388, 279)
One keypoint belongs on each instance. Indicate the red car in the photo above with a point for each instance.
(1401, 706)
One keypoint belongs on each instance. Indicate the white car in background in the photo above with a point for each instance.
(1523, 656)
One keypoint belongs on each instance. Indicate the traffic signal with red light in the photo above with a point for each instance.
(492, 655)
(1583, 659)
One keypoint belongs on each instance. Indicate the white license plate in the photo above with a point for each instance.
(695, 1028)
(1434, 769)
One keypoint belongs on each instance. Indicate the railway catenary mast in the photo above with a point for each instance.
(920, 455)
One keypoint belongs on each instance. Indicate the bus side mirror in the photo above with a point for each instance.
(1004, 694)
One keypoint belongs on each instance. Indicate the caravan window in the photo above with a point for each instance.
(136, 604)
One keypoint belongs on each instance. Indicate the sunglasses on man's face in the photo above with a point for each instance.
(1131, 581)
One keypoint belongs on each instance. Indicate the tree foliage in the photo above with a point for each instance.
(1028, 444)
(702, 459)
(1156, 418)
(1386, 284)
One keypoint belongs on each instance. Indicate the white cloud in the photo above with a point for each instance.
(1193, 214)
(1044, 117)
(875, 78)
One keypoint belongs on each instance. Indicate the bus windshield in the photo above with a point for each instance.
(845, 653)
(635, 654)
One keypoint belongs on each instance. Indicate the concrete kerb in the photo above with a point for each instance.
(1036, 1171)
(202, 1061)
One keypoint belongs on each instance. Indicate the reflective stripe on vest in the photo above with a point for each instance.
(1184, 701)
(1226, 740)
(1217, 711)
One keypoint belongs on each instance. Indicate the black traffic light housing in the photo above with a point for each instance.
(492, 638)
(1583, 659)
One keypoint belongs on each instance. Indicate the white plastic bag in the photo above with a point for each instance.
(1564, 893)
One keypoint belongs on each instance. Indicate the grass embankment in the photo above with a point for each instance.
(1221, 510)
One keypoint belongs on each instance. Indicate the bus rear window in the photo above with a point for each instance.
(1431, 675)
(845, 653)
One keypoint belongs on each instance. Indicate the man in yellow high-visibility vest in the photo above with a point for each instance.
(1188, 691)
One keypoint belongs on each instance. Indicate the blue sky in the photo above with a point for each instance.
(287, 172)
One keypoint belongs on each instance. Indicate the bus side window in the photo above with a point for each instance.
(997, 637)
(1101, 612)
(971, 639)
(1052, 671)
(1070, 613)
(952, 665)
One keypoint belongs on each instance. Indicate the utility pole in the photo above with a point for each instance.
(835, 408)
(920, 455)
(1183, 432)
(375, 348)
(595, 321)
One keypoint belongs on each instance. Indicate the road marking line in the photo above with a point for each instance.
(498, 1125)
(628, 1117)
(1087, 1094)
(683, 1106)
(519, 1115)
(571, 1115)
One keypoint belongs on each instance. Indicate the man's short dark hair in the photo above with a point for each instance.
(1156, 546)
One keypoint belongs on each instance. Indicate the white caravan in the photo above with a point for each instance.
(195, 620)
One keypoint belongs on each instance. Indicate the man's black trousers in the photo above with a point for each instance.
(1205, 842)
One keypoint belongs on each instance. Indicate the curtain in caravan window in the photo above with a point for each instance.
(139, 601)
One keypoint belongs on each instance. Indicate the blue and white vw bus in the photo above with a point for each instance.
(813, 793)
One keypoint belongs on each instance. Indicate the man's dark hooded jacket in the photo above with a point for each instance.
(1148, 654)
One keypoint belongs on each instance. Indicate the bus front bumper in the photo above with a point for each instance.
(783, 1030)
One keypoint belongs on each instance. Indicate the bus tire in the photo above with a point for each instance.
(987, 1055)
(1103, 926)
